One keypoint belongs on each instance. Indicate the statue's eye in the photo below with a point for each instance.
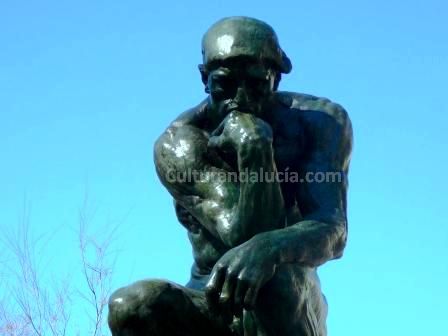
(258, 84)
(222, 85)
(223, 81)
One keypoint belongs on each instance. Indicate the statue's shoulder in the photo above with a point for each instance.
(191, 117)
(187, 126)
(312, 107)
(327, 124)
(182, 144)
(184, 130)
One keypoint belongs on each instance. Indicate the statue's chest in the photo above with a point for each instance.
(288, 145)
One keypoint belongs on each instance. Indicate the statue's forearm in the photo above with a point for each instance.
(246, 208)
(260, 205)
(309, 242)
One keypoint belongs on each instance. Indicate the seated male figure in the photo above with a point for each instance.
(256, 241)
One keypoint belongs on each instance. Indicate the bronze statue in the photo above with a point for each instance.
(243, 168)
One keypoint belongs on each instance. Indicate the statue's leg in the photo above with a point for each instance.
(161, 308)
(291, 304)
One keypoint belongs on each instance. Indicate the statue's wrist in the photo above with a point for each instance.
(255, 151)
(267, 241)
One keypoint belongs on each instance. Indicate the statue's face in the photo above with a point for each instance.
(242, 86)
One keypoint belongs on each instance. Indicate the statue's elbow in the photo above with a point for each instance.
(340, 240)
(235, 235)
(233, 238)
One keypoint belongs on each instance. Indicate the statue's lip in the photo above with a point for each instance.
(242, 109)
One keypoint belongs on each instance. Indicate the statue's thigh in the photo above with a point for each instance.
(290, 304)
(158, 307)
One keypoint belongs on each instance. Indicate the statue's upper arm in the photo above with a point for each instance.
(178, 153)
(182, 164)
(323, 194)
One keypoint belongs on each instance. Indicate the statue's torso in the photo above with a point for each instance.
(294, 122)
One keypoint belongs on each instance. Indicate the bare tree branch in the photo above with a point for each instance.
(41, 308)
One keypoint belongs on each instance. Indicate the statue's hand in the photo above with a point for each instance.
(239, 275)
(239, 130)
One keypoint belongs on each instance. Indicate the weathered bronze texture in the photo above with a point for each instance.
(259, 180)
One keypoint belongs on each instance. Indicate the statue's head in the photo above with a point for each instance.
(242, 64)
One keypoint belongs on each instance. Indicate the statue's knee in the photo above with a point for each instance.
(286, 289)
(291, 301)
(133, 305)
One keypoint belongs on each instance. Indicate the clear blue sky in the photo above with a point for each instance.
(87, 86)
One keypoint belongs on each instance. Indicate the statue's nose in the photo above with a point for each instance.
(241, 97)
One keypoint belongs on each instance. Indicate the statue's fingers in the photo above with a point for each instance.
(240, 292)
(222, 142)
(216, 141)
(218, 130)
(214, 285)
(251, 297)
(227, 292)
